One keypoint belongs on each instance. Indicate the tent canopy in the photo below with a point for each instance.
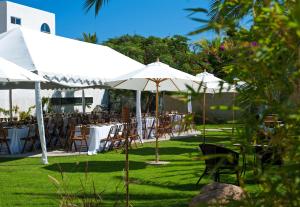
(10, 72)
(64, 62)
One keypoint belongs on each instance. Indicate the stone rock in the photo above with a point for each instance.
(217, 193)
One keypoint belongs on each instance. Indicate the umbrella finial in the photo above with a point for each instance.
(157, 59)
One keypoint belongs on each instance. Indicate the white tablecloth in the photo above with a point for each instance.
(97, 133)
(149, 124)
(176, 121)
(15, 135)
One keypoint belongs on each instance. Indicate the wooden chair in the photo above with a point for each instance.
(119, 138)
(222, 161)
(109, 141)
(82, 138)
(32, 137)
(133, 135)
(3, 139)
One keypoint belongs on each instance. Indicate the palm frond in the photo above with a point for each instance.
(98, 4)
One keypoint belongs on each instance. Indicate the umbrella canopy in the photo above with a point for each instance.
(146, 79)
(10, 72)
(156, 77)
(214, 84)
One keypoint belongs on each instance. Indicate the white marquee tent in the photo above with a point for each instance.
(63, 62)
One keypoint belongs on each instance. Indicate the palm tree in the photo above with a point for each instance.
(224, 14)
(88, 37)
(98, 4)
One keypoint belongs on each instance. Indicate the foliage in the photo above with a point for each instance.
(4, 111)
(266, 56)
(97, 4)
(25, 115)
(213, 55)
(174, 51)
(90, 38)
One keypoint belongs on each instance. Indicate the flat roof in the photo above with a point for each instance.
(28, 7)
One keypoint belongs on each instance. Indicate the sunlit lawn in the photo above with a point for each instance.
(25, 182)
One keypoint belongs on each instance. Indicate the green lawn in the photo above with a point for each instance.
(25, 182)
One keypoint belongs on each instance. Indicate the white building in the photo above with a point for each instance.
(15, 15)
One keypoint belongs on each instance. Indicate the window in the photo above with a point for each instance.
(15, 20)
(45, 28)
(71, 101)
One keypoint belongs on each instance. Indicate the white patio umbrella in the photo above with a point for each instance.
(212, 84)
(12, 73)
(156, 77)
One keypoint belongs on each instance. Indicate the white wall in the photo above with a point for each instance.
(26, 98)
(31, 18)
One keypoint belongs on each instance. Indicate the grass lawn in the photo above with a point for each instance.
(25, 182)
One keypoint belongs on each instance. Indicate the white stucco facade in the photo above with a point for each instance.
(29, 17)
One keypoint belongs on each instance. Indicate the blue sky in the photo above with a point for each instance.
(144, 17)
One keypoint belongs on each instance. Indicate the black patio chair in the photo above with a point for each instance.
(220, 160)
(267, 155)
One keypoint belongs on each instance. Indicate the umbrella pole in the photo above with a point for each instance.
(233, 114)
(127, 169)
(203, 118)
(156, 127)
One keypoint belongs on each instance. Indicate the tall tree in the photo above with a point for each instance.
(266, 56)
(175, 51)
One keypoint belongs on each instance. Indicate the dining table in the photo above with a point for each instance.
(14, 135)
(97, 133)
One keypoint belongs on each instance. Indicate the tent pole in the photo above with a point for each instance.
(190, 106)
(139, 115)
(10, 105)
(156, 127)
(204, 114)
(40, 120)
(83, 102)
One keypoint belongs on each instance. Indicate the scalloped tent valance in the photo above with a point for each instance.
(64, 62)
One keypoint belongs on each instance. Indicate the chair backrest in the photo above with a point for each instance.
(112, 132)
(32, 130)
(71, 130)
(219, 157)
(85, 131)
(3, 133)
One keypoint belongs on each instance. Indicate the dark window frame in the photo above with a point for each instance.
(45, 28)
(15, 20)
(76, 101)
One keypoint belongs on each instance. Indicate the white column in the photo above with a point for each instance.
(10, 105)
(83, 101)
(139, 114)
(189, 105)
(40, 119)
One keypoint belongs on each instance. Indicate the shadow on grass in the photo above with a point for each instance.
(136, 199)
(162, 151)
(166, 185)
(95, 166)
